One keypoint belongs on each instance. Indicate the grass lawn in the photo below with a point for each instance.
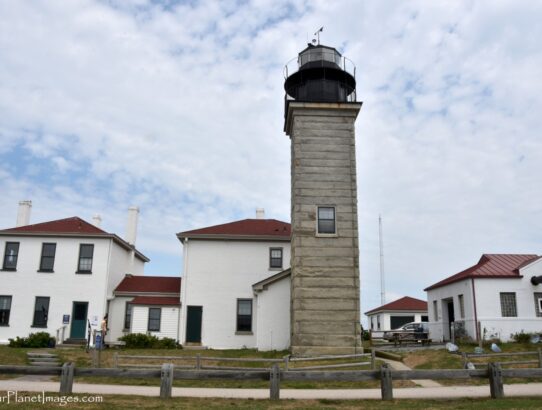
(130, 402)
(442, 359)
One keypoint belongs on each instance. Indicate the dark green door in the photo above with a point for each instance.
(193, 324)
(79, 320)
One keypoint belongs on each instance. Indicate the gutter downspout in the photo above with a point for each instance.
(475, 312)
(183, 292)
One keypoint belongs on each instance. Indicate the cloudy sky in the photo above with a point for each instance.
(177, 107)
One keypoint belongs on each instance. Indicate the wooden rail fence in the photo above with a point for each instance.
(168, 373)
(466, 356)
(198, 362)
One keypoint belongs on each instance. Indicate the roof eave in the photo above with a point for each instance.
(121, 242)
(437, 285)
(227, 237)
(370, 312)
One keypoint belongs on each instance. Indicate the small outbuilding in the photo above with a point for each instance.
(497, 297)
(395, 314)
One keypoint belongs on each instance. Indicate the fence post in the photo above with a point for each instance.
(166, 381)
(287, 360)
(540, 358)
(373, 358)
(274, 383)
(66, 378)
(464, 359)
(495, 381)
(94, 356)
(116, 360)
(386, 382)
(198, 361)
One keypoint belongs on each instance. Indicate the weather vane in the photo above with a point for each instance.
(317, 34)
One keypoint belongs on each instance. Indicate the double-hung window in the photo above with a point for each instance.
(86, 252)
(5, 309)
(154, 319)
(244, 315)
(128, 316)
(326, 220)
(275, 258)
(11, 254)
(41, 311)
(47, 262)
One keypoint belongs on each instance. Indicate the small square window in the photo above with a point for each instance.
(275, 258)
(11, 254)
(326, 220)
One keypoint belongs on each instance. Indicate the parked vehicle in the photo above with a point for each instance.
(413, 331)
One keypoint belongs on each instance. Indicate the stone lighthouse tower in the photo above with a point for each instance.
(320, 111)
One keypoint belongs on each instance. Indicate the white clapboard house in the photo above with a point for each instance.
(236, 285)
(59, 276)
(497, 297)
(145, 304)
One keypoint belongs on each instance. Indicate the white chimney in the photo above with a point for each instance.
(97, 220)
(260, 213)
(131, 226)
(23, 214)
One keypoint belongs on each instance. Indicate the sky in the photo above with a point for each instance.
(177, 107)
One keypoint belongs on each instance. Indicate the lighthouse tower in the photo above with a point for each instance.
(320, 111)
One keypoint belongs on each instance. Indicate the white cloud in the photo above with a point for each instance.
(177, 108)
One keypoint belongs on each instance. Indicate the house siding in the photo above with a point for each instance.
(169, 320)
(217, 273)
(273, 316)
(63, 286)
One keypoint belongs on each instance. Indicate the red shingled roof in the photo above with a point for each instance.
(155, 300)
(67, 225)
(405, 303)
(149, 284)
(245, 227)
(490, 266)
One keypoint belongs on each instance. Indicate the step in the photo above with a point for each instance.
(75, 342)
(43, 359)
(45, 364)
(44, 355)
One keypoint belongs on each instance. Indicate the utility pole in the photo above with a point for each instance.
(382, 280)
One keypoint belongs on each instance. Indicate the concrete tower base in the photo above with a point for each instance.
(325, 306)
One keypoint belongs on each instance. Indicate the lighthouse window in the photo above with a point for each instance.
(326, 220)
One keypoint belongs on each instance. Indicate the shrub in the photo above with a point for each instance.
(143, 341)
(34, 340)
(522, 337)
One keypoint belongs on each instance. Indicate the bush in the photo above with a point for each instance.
(143, 341)
(34, 340)
(522, 337)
